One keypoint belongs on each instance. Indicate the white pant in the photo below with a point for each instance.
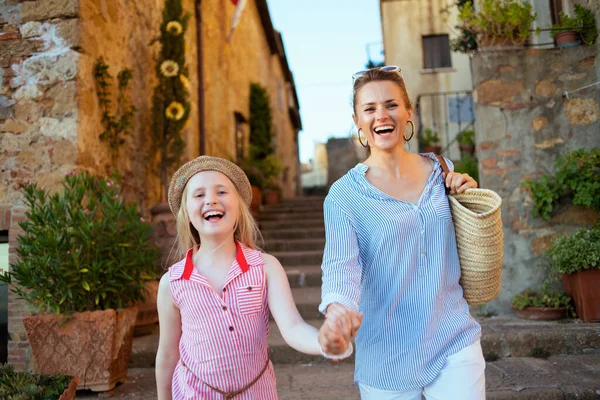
(461, 378)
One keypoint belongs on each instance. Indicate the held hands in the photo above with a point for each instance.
(338, 330)
(458, 183)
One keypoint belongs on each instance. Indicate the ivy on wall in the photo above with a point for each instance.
(119, 123)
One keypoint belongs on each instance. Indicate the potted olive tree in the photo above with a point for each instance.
(577, 258)
(84, 257)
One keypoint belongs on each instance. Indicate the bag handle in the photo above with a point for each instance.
(445, 168)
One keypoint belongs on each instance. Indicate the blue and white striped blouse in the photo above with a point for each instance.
(397, 262)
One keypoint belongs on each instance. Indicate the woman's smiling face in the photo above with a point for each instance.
(381, 114)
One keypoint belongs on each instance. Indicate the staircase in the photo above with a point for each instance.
(294, 233)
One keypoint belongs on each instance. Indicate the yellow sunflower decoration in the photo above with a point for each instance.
(169, 68)
(174, 28)
(175, 111)
(185, 82)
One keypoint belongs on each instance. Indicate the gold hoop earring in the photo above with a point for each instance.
(363, 145)
(412, 133)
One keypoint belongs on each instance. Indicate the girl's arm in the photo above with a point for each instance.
(167, 355)
(295, 331)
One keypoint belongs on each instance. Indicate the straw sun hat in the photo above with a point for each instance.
(208, 163)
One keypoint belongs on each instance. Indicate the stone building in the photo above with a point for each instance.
(531, 105)
(50, 118)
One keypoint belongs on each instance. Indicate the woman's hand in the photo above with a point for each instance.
(339, 328)
(458, 183)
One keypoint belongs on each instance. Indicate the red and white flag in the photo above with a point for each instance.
(239, 4)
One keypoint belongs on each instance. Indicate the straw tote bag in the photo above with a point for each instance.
(479, 239)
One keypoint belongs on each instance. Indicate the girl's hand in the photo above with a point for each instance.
(458, 183)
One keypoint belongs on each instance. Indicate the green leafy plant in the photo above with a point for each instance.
(29, 386)
(83, 249)
(539, 352)
(466, 42)
(582, 22)
(577, 252)
(429, 138)
(118, 124)
(468, 165)
(170, 104)
(497, 22)
(577, 176)
(546, 298)
(466, 138)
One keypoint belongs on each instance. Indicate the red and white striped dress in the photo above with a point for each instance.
(223, 338)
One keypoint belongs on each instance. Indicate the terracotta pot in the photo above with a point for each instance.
(566, 39)
(164, 235)
(256, 200)
(93, 346)
(432, 149)
(147, 316)
(467, 148)
(271, 197)
(566, 283)
(70, 391)
(584, 286)
(541, 313)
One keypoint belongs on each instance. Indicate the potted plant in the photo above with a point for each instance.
(570, 29)
(29, 386)
(466, 142)
(546, 305)
(497, 22)
(272, 192)
(84, 257)
(257, 181)
(430, 142)
(468, 165)
(577, 258)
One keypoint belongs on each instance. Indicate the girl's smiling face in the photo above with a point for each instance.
(381, 114)
(212, 204)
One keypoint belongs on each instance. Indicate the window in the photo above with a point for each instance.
(240, 120)
(555, 10)
(436, 52)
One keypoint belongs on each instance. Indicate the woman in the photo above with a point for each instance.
(391, 254)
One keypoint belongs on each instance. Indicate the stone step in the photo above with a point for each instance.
(520, 378)
(301, 200)
(293, 258)
(294, 233)
(295, 245)
(292, 208)
(304, 276)
(555, 339)
(291, 224)
(282, 216)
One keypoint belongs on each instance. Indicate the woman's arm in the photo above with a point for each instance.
(342, 272)
(295, 331)
(167, 355)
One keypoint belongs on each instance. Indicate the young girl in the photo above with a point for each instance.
(214, 304)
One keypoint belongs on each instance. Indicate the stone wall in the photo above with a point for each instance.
(229, 69)
(524, 123)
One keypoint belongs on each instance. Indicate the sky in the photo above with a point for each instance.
(325, 43)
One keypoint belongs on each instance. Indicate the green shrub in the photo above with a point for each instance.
(504, 21)
(466, 138)
(576, 252)
(577, 176)
(83, 249)
(29, 386)
(546, 298)
(429, 138)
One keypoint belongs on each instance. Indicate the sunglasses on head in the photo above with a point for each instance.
(387, 68)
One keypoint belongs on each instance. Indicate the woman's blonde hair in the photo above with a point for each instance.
(246, 229)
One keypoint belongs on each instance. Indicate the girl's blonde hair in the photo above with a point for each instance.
(246, 229)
